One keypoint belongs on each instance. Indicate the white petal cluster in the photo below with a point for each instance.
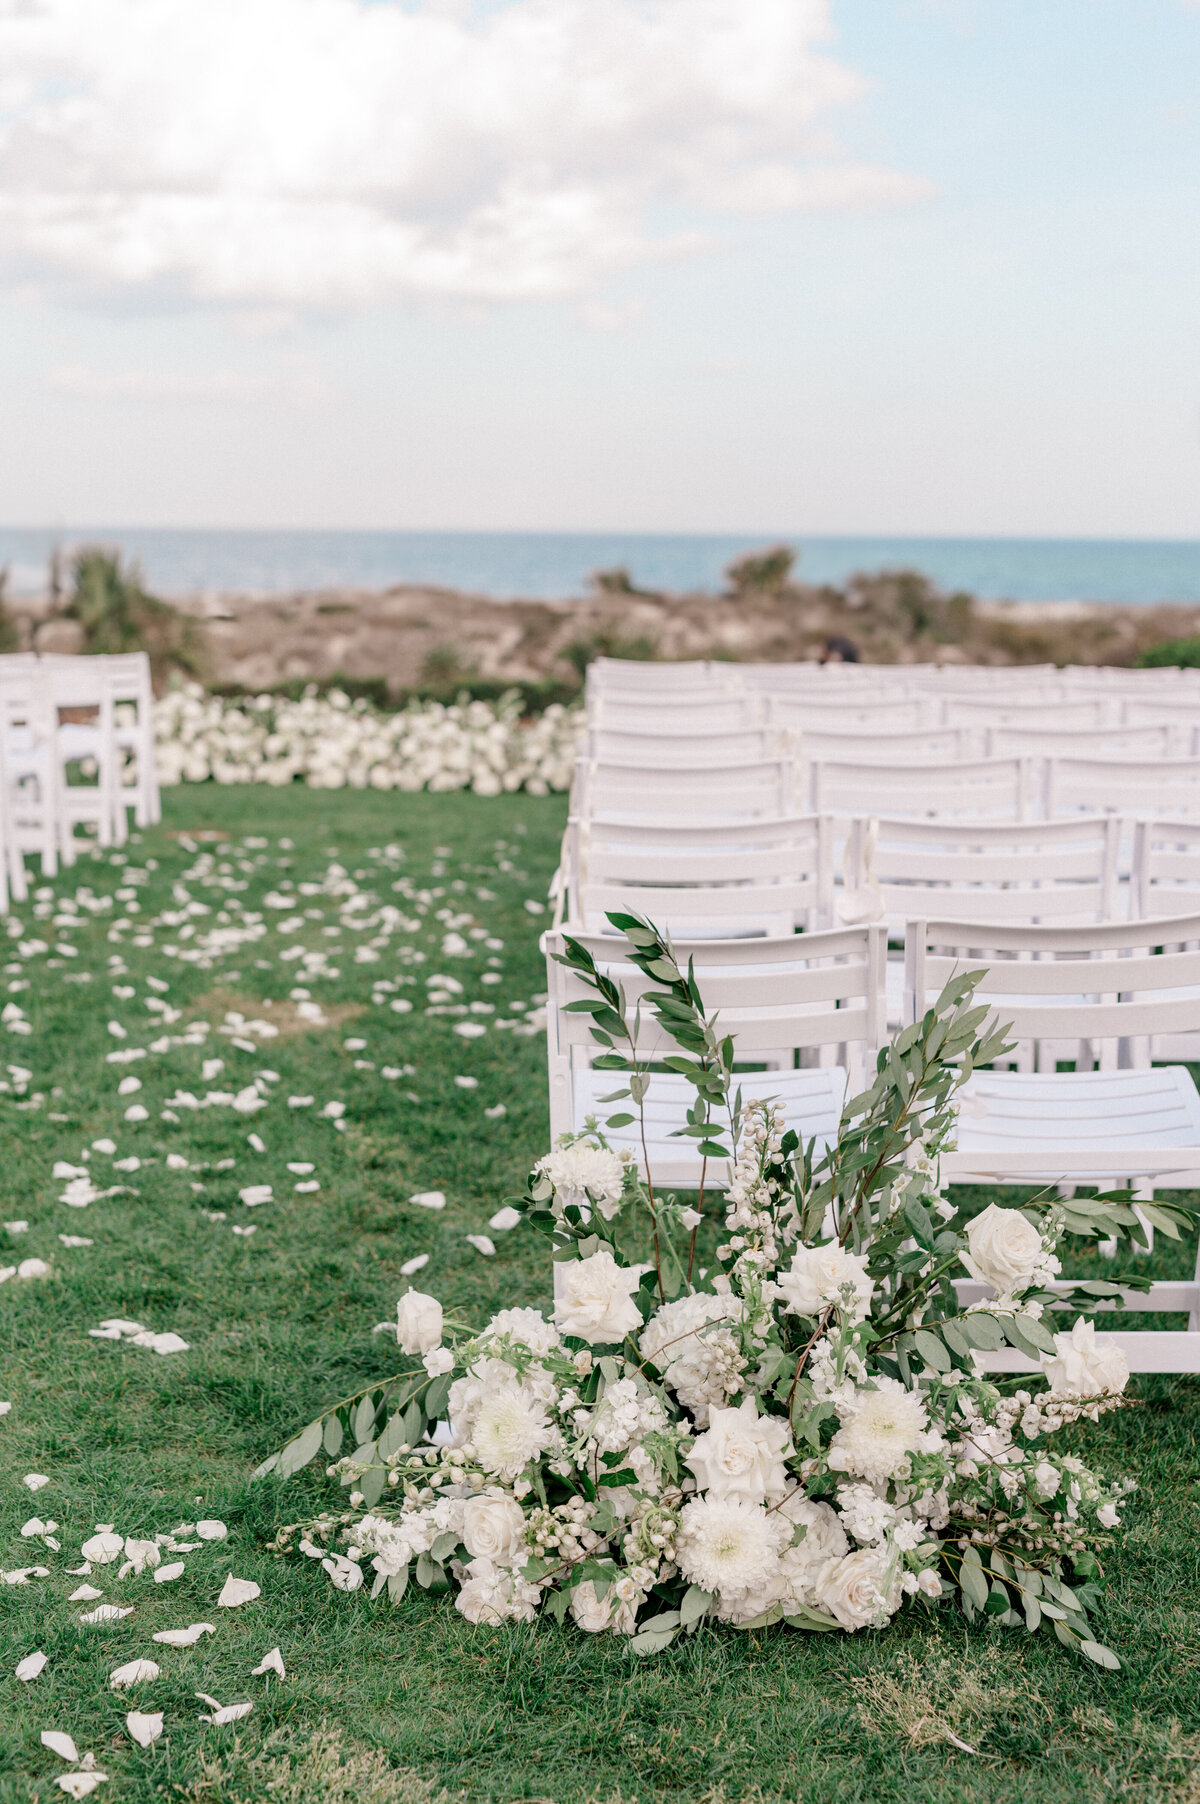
(330, 742)
(582, 1173)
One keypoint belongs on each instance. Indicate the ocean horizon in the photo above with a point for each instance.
(178, 562)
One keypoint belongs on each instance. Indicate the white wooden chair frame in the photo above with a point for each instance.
(816, 997)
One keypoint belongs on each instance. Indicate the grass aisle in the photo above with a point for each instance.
(384, 1702)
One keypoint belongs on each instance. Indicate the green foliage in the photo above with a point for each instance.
(1184, 653)
(761, 572)
(118, 614)
(607, 642)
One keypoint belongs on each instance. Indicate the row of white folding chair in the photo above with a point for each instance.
(809, 1008)
(769, 787)
(41, 747)
(1010, 787)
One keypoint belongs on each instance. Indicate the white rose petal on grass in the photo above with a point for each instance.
(497, 1113)
(505, 1219)
(211, 1530)
(482, 1244)
(255, 1194)
(81, 1785)
(144, 1726)
(185, 1637)
(135, 1672)
(223, 1713)
(106, 1613)
(428, 1199)
(60, 1743)
(4, 1408)
(30, 1666)
(102, 1548)
(469, 1030)
(33, 1481)
(235, 1592)
(33, 1268)
(414, 1265)
(166, 1574)
(86, 1594)
(272, 1662)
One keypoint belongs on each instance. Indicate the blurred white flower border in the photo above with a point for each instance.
(332, 742)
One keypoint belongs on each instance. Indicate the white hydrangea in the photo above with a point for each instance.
(700, 1362)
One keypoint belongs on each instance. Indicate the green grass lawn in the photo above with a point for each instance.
(386, 1702)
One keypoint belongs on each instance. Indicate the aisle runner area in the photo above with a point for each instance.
(229, 1061)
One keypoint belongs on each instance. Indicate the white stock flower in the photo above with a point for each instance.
(741, 1454)
(878, 1430)
(509, 1430)
(584, 1171)
(418, 1322)
(597, 1300)
(493, 1528)
(1005, 1249)
(729, 1547)
(856, 1591)
(1085, 1364)
(595, 1614)
(819, 1275)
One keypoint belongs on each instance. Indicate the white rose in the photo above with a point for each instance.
(438, 1361)
(852, 1589)
(1085, 1364)
(819, 1274)
(597, 1298)
(742, 1454)
(595, 1614)
(1006, 1249)
(418, 1322)
(494, 1529)
(929, 1582)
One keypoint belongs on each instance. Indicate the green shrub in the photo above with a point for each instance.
(1183, 652)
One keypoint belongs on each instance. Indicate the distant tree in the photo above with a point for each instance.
(117, 613)
(762, 572)
(10, 638)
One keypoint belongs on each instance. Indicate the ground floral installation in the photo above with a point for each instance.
(807, 1436)
(330, 742)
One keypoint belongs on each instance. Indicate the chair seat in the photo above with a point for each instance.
(1010, 1118)
(811, 1099)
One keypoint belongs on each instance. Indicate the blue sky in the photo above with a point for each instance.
(936, 272)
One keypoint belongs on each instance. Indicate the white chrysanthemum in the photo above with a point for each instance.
(511, 1428)
(700, 1361)
(879, 1429)
(529, 1326)
(729, 1547)
(582, 1171)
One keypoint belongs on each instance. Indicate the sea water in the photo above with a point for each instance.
(551, 565)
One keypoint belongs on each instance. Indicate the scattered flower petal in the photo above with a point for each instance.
(144, 1726)
(31, 1666)
(236, 1591)
(134, 1672)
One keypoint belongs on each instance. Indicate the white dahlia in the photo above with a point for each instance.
(511, 1428)
(879, 1429)
(729, 1547)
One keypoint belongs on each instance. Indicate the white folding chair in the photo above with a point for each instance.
(133, 708)
(745, 745)
(83, 685)
(932, 745)
(816, 997)
(697, 881)
(716, 792)
(664, 712)
(1168, 787)
(34, 784)
(1052, 741)
(1062, 872)
(967, 789)
(1098, 993)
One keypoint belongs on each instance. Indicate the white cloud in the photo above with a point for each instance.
(297, 154)
(297, 387)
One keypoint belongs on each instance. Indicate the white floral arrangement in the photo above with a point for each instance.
(331, 742)
(805, 1434)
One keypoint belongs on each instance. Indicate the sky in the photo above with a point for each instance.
(835, 266)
